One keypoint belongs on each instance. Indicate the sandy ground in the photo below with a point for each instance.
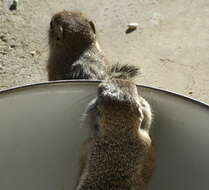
(171, 44)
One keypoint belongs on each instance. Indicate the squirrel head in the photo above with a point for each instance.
(71, 29)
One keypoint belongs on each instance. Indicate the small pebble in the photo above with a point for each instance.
(3, 52)
(36, 52)
(33, 53)
(133, 26)
(13, 46)
(3, 38)
(13, 5)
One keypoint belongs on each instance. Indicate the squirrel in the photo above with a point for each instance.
(75, 53)
(119, 154)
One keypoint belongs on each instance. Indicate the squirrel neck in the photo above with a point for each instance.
(67, 54)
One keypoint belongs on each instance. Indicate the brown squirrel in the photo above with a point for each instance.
(119, 155)
(75, 52)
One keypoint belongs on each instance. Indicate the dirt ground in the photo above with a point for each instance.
(171, 43)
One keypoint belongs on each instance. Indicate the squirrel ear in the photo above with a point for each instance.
(59, 33)
(51, 25)
(92, 26)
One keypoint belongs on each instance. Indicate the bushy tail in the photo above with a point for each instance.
(124, 71)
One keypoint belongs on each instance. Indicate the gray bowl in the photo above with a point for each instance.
(40, 136)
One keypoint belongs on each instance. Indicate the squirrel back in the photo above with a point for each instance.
(119, 153)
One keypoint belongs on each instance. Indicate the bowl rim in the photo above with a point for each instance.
(93, 82)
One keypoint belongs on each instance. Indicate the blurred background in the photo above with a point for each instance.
(171, 43)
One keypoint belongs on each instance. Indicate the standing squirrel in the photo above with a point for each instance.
(75, 52)
(119, 155)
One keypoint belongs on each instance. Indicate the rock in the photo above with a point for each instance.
(133, 26)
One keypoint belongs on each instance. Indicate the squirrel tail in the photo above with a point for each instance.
(124, 71)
